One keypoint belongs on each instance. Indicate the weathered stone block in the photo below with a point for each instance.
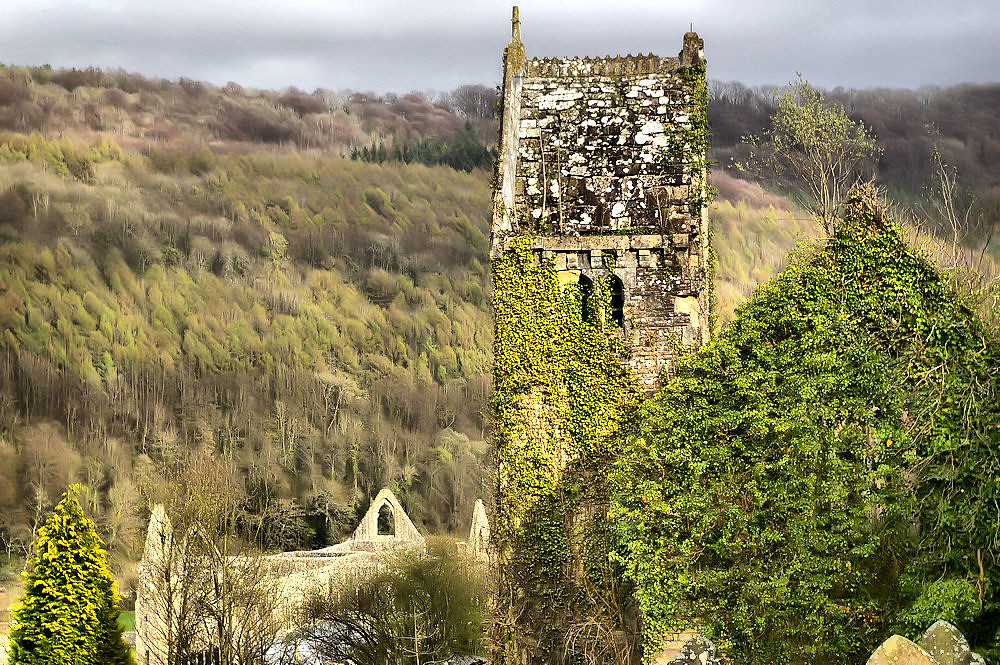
(897, 650)
(946, 644)
(697, 650)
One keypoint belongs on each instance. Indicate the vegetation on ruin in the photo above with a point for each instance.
(813, 480)
(422, 607)
(823, 472)
(694, 142)
(560, 396)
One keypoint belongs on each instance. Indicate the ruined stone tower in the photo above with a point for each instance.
(600, 273)
(602, 162)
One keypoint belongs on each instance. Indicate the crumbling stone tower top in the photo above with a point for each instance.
(602, 163)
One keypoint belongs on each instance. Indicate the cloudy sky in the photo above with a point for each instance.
(403, 45)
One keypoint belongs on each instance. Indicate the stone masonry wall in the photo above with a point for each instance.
(601, 168)
(596, 166)
(594, 146)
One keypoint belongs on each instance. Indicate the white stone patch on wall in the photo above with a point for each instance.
(652, 132)
(559, 99)
(689, 305)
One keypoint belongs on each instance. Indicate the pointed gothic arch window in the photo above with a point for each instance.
(617, 300)
(588, 300)
(386, 521)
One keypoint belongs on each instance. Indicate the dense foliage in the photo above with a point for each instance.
(425, 607)
(824, 471)
(561, 392)
(69, 612)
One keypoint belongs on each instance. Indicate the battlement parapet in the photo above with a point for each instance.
(610, 66)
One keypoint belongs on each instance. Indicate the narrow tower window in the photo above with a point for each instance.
(617, 301)
(588, 301)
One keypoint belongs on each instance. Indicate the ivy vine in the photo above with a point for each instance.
(824, 472)
(561, 391)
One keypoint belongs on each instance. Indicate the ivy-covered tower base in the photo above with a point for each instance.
(601, 277)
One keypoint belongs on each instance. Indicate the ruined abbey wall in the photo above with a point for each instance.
(177, 579)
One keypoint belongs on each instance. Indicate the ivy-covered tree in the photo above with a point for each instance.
(69, 612)
(824, 472)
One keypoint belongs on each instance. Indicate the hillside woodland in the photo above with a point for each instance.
(320, 322)
(190, 270)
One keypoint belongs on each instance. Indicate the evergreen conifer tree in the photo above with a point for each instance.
(69, 612)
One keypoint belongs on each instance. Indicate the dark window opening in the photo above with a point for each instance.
(588, 301)
(386, 521)
(617, 301)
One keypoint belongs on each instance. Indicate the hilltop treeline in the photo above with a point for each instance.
(466, 152)
(139, 112)
(962, 121)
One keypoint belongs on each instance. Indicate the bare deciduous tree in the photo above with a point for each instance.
(813, 149)
(205, 592)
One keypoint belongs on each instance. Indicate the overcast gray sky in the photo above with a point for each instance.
(403, 45)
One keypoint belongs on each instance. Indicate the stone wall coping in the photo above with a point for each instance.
(617, 65)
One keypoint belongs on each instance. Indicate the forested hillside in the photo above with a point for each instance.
(320, 322)
(963, 121)
(188, 269)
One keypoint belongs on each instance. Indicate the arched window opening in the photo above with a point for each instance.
(588, 300)
(386, 521)
(617, 301)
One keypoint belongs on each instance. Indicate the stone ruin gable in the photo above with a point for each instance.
(294, 576)
(479, 532)
(151, 626)
(366, 536)
(595, 166)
